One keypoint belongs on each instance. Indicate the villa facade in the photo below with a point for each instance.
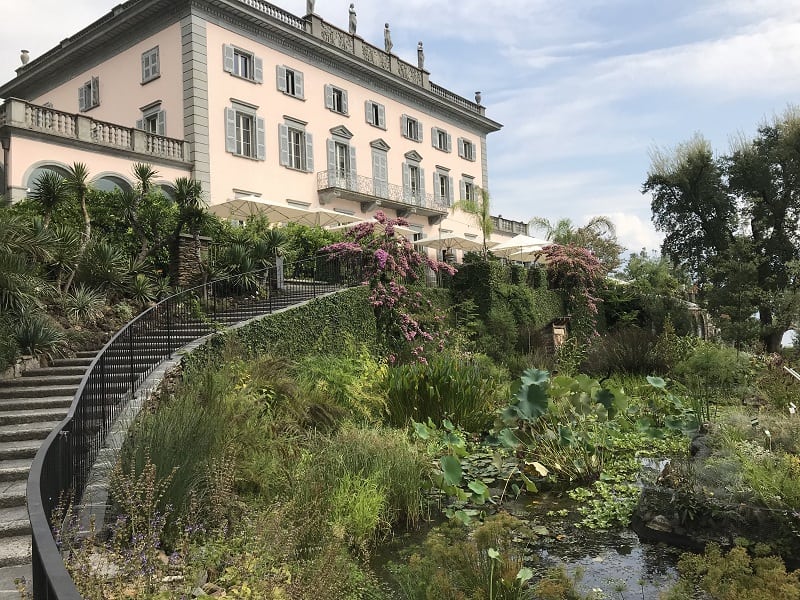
(261, 106)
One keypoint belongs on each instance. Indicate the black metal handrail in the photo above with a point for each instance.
(61, 468)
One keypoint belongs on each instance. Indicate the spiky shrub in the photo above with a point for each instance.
(37, 333)
(141, 289)
(105, 266)
(83, 305)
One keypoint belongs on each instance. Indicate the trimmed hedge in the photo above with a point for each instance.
(318, 327)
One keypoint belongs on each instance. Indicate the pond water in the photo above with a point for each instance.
(615, 561)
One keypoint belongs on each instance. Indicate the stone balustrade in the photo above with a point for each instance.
(23, 115)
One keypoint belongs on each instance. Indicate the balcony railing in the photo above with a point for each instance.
(366, 189)
(502, 225)
(276, 13)
(43, 119)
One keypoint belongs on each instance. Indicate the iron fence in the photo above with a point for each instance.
(60, 471)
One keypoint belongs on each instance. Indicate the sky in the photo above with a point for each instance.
(585, 89)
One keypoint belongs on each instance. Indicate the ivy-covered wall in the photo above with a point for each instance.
(318, 327)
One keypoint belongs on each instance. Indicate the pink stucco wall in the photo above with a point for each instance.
(122, 93)
(277, 183)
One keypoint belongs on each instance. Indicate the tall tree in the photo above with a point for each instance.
(598, 235)
(764, 174)
(480, 207)
(690, 203)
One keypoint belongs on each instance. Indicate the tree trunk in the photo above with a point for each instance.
(771, 338)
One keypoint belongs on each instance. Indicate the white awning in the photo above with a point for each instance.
(279, 212)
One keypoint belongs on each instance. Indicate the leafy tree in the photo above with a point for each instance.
(51, 191)
(690, 203)
(598, 235)
(480, 208)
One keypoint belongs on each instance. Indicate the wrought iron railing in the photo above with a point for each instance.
(379, 190)
(60, 471)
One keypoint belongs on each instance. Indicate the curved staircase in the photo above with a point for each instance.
(31, 406)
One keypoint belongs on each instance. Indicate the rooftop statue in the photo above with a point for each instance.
(387, 38)
(309, 7)
(420, 56)
(353, 20)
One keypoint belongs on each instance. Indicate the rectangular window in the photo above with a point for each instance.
(469, 191)
(441, 139)
(151, 68)
(336, 99)
(296, 146)
(342, 159)
(242, 64)
(411, 128)
(244, 132)
(443, 189)
(89, 94)
(151, 123)
(414, 180)
(290, 81)
(466, 149)
(375, 114)
(154, 120)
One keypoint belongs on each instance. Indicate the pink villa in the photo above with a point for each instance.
(270, 111)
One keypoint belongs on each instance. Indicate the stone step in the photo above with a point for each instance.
(8, 578)
(18, 417)
(15, 551)
(26, 431)
(28, 404)
(71, 362)
(37, 392)
(34, 379)
(15, 469)
(86, 354)
(12, 493)
(14, 521)
(58, 371)
(19, 449)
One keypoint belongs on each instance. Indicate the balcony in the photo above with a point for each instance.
(374, 193)
(26, 118)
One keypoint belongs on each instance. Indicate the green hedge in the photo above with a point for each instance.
(318, 327)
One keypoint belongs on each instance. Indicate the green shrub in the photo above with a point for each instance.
(734, 576)
(465, 389)
(8, 345)
(84, 305)
(38, 333)
(626, 350)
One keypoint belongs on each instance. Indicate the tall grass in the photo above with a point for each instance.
(465, 389)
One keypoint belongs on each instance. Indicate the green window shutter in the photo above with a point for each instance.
(258, 70)
(227, 58)
(230, 130)
(353, 170)
(155, 63)
(309, 153)
(140, 124)
(404, 125)
(82, 98)
(328, 96)
(381, 116)
(261, 139)
(331, 160)
(146, 66)
(344, 102)
(463, 185)
(368, 112)
(298, 85)
(280, 77)
(283, 144)
(437, 196)
(95, 91)
(449, 191)
(406, 181)
(161, 122)
(422, 185)
(434, 137)
(419, 131)
(449, 143)
(461, 147)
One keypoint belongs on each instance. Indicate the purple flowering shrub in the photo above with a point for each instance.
(409, 323)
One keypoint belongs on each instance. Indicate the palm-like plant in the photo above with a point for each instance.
(191, 216)
(51, 190)
(144, 175)
(479, 206)
(77, 183)
(598, 235)
(21, 247)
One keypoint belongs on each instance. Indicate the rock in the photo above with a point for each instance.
(660, 523)
(699, 448)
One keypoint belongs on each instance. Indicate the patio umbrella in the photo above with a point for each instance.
(453, 241)
(404, 231)
(529, 254)
(278, 212)
(518, 243)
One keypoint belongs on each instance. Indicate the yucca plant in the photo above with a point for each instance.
(37, 333)
(104, 265)
(84, 305)
(141, 289)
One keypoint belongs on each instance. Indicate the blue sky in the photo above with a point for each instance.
(585, 88)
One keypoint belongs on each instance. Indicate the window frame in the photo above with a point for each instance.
(441, 139)
(235, 142)
(336, 99)
(151, 65)
(233, 57)
(463, 145)
(89, 95)
(290, 81)
(375, 114)
(296, 150)
(411, 128)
